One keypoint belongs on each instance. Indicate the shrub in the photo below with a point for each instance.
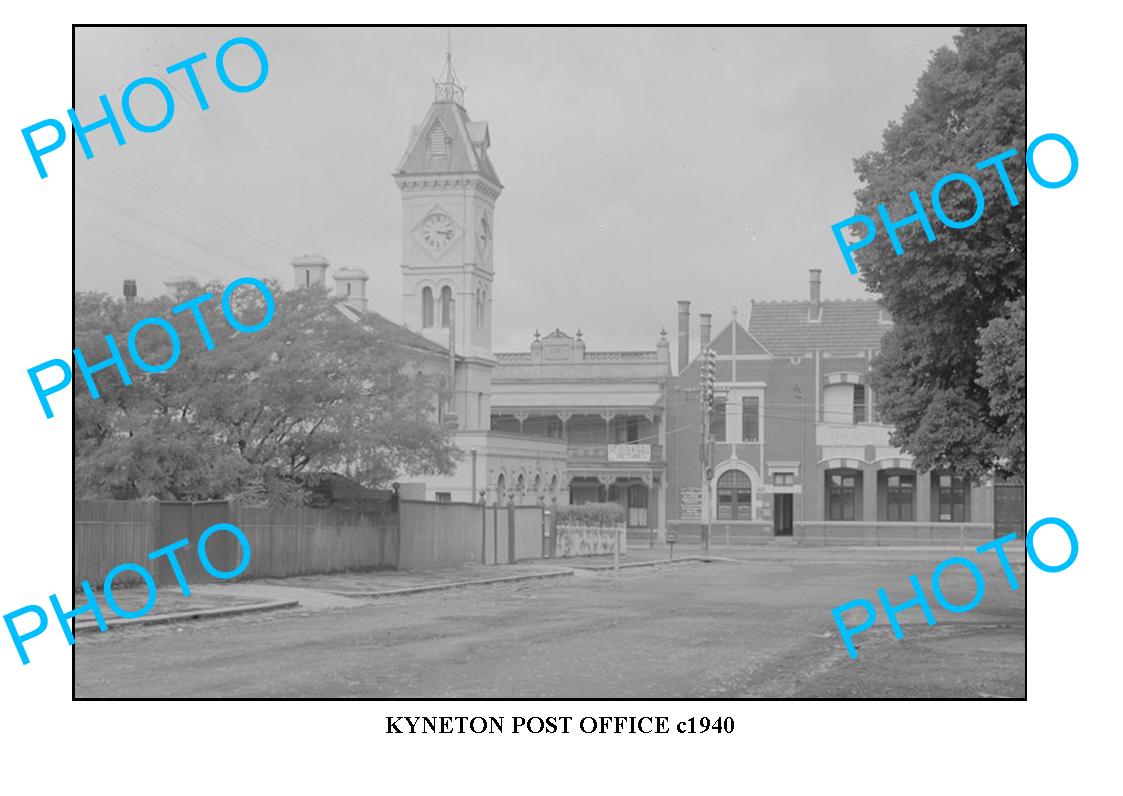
(592, 514)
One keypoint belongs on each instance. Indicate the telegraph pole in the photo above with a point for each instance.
(708, 372)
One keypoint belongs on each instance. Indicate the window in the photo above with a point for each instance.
(479, 307)
(783, 479)
(444, 497)
(438, 141)
(446, 306)
(500, 488)
(633, 429)
(717, 420)
(750, 419)
(845, 404)
(859, 403)
(348, 288)
(427, 307)
(843, 487)
(734, 496)
(950, 495)
(899, 491)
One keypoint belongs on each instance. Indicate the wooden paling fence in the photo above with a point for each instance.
(300, 541)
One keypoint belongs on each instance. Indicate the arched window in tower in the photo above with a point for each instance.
(438, 141)
(446, 305)
(427, 307)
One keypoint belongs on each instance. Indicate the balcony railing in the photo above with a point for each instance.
(623, 453)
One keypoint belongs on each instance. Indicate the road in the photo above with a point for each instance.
(692, 630)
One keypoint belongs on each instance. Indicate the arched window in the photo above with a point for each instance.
(554, 485)
(438, 141)
(843, 490)
(500, 488)
(427, 307)
(896, 495)
(950, 497)
(348, 288)
(446, 305)
(734, 496)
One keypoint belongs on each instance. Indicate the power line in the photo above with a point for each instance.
(144, 248)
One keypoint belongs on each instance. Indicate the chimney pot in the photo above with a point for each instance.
(683, 335)
(815, 294)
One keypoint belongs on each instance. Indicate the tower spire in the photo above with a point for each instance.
(447, 87)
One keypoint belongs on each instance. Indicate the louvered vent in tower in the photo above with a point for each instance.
(438, 141)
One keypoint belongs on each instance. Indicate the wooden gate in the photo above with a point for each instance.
(1009, 509)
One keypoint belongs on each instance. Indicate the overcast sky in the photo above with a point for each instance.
(641, 166)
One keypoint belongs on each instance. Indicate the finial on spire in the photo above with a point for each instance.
(447, 87)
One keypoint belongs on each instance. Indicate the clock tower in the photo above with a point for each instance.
(449, 189)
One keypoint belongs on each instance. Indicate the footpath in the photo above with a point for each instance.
(337, 590)
(346, 589)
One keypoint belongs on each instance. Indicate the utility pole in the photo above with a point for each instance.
(798, 390)
(708, 374)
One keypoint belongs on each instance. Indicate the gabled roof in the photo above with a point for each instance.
(467, 145)
(786, 328)
(746, 343)
(399, 334)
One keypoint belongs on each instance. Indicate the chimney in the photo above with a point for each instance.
(351, 286)
(813, 313)
(704, 333)
(683, 335)
(130, 291)
(309, 270)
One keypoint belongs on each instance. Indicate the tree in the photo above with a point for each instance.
(945, 295)
(312, 392)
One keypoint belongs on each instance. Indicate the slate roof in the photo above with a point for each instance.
(784, 328)
(393, 331)
(467, 150)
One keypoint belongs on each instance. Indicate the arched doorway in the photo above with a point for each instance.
(734, 496)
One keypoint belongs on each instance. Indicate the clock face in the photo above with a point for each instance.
(438, 231)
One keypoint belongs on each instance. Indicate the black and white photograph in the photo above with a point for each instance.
(535, 363)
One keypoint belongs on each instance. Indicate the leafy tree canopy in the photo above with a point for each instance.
(312, 392)
(952, 298)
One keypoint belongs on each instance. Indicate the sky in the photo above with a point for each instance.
(641, 165)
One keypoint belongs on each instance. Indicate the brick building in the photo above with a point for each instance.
(798, 448)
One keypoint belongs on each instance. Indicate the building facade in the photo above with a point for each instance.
(797, 446)
(605, 407)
